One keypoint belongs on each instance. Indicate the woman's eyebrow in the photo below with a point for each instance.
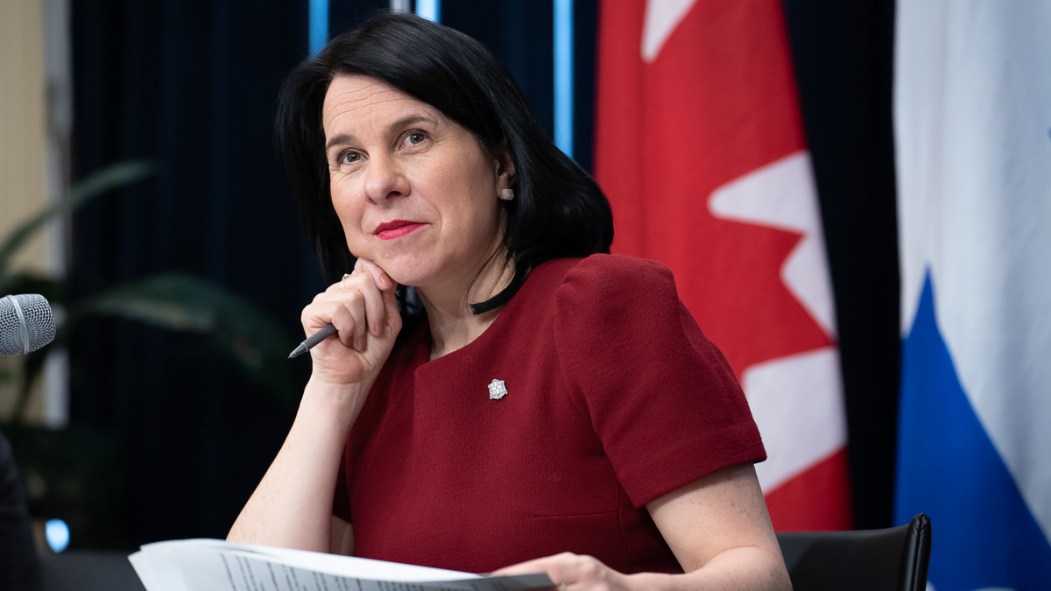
(339, 138)
(407, 121)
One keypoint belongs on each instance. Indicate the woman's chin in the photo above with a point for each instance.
(406, 277)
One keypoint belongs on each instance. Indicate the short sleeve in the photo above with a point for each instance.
(660, 396)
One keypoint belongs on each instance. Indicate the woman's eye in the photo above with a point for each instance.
(415, 138)
(349, 157)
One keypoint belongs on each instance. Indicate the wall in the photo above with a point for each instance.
(23, 143)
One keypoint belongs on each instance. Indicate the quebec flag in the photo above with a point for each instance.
(972, 107)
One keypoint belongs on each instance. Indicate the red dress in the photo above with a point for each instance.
(613, 399)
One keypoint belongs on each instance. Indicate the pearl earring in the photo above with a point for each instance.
(507, 194)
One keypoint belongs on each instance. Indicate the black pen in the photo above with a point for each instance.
(312, 340)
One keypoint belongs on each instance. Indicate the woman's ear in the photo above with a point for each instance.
(505, 166)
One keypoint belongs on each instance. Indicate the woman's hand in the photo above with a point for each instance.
(364, 310)
(573, 572)
(292, 506)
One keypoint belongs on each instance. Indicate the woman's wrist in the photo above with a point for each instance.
(336, 400)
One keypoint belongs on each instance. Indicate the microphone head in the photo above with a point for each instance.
(26, 323)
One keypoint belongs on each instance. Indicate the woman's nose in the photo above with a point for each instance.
(385, 179)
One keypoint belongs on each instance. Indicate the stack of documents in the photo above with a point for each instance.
(192, 565)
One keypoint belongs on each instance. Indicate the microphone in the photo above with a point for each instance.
(26, 324)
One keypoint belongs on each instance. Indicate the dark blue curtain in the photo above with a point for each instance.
(191, 85)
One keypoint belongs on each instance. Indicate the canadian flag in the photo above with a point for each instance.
(700, 148)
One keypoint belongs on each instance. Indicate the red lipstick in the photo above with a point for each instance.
(395, 229)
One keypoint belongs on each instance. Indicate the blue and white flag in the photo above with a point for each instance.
(972, 109)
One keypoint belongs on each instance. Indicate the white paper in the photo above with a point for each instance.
(192, 565)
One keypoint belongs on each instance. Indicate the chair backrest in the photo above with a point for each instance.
(861, 560)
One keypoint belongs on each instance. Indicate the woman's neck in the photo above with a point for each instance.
(452, 323)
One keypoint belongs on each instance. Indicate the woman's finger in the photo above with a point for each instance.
(354, 304)
(375, 306)
(360, 304)
(571, 571)
(343, 306)
(379, 276)
(555, 566)
(393, 314)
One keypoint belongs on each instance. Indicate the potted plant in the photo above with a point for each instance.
(65, 467)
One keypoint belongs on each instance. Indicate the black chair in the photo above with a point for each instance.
(895, 558)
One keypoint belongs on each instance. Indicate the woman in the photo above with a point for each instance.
(544, 406)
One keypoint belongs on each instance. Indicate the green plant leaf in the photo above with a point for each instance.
(181, 302)
(169, 301)
(108, 178)
(28, 282)
(184, 303)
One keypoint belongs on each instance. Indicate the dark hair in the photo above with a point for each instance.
(558, 210)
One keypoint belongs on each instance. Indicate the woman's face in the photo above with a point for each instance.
(415, 192)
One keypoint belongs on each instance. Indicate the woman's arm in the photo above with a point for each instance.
(717, 527)
(720, 532)
(292, 506)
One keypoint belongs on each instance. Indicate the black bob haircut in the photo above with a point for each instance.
(558, 210)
